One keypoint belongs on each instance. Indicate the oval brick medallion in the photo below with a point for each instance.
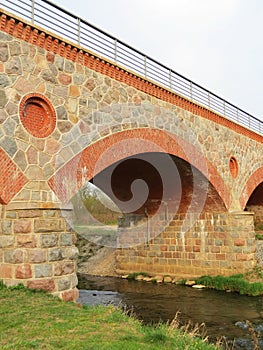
(233, 167)
(37, 115)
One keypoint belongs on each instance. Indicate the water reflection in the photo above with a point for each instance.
(220, 311)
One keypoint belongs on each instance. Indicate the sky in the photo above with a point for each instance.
(215, 43)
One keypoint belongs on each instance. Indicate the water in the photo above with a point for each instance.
(224, 314)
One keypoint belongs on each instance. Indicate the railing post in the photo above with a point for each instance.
(145, 66)
(33, 11)
(191, 90)
(170, 79)
(115, 50)
(237, 116)
(224, 108)
(208, 97)
(79, 30)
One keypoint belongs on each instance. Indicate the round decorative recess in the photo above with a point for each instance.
(233, 167)
(37, 115)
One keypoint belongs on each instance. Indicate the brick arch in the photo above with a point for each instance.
(12, 180)
(254, 180)
(83, 167)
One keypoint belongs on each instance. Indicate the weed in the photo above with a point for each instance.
(2, 285)
(259, 227)
(235, 283)
(253, 335)
(156, 334)
(182, 281)
(256, 272)
(19, 286)
(134, 275)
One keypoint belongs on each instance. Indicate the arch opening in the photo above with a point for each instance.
(255, 205)
(121, 145)
(143, 193)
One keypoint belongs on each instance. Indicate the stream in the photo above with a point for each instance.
(224, 314)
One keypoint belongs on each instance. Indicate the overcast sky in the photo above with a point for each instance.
(215, 43)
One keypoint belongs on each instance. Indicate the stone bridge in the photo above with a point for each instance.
(193, 177)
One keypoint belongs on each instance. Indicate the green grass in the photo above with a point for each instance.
(36, 320)
(132, 276)
(259, 227)
(236, 283)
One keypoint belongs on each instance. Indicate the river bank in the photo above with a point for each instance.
(36, 320)
(221, 314)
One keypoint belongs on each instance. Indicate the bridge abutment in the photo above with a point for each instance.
(37, 250)
(216, 243)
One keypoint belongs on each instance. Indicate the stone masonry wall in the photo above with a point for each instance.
(258, 215)
(93, 99)
(37, 249)
(219, 243)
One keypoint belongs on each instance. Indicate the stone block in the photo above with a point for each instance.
(43, 270)
(239, 242)
(6, 271)
(72, 253)
(66, 239)
(50, 213)
(74, 280)
(70, 295)
(22, 226)
(49, 225)
(56, 254)
(7, 227)
(14, 256)
(47, 285)
(49, 240)
(23, 271)
(15, 48)
(64, 268)
(11, 215)
(6, 241)
(29, 213)
(64, 283)
(4, 54)
(37, 256)
(26, 241)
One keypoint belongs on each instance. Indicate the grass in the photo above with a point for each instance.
(36, 320)
(259, 227)
(132, 276)
(240, 283)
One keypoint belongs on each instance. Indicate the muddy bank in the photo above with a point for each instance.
(94, 257)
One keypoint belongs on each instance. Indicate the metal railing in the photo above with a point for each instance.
(60, 21)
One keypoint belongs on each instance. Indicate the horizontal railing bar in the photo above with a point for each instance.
(80, 31)
(20, 13)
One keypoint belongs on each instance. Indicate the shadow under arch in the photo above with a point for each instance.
(102, 153)
(252, 183)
